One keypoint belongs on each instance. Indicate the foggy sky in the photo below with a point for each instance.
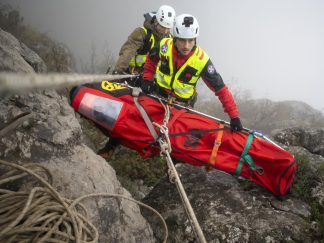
(272, 47)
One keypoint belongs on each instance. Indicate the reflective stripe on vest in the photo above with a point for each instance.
(139, 59)
(197, 61)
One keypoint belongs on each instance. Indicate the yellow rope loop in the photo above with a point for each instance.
(42, 215)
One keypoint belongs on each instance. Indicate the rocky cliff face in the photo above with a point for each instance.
(228, 211)
(308, 143)
(17, 57)
(310, 139)
(267, 116)
(50, 135)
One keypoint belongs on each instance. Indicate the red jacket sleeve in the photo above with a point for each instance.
(149, 68)
(226, 98)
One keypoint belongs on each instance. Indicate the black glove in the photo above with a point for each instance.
(148, 86)
(236, 124)
(135, 81)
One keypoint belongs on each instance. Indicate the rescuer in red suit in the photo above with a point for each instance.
(175, 65)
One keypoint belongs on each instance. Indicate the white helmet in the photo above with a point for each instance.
(165, 16)
(186, 27)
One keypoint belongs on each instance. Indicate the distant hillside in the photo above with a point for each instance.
(266, 115)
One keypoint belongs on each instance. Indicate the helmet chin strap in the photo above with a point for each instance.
(154, 25)
(156, 32)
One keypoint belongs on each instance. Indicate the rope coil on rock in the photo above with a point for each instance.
(42, 215)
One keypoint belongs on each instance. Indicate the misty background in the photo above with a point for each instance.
(272, 49)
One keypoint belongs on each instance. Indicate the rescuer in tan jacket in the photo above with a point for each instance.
(132, 54)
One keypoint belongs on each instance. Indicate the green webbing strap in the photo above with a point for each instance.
(245, 157)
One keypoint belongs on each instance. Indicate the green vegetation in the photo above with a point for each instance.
(321, 172)
(95, 139)
(305, 181)
(129, 164)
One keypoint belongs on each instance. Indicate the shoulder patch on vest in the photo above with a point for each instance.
(211, 69)
(164, 48)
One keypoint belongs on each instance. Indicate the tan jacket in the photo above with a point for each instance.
(135, 42)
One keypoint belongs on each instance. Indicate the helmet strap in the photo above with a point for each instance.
(153, 19)
(154, 29)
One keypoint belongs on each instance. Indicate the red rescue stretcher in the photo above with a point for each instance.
(195, 139)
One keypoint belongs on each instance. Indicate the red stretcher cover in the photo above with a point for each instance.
(195, 139)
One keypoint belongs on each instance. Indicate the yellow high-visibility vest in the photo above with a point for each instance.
(182, 81)
(139, 59)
